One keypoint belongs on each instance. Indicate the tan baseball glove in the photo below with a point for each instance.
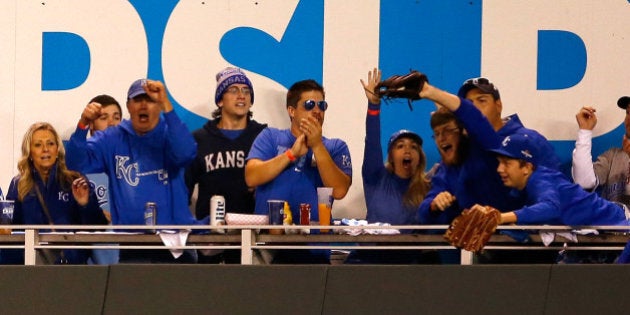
(472, 229)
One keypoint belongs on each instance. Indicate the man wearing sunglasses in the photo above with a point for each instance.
(475, 181)
(222, 146)
(289, 164)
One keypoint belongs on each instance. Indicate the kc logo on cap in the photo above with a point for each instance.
(517, 146)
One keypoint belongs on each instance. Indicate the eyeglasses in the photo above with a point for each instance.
(310, 104)
(446, 132)
(235, 90)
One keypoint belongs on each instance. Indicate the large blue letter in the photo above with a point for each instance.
(65, 61)
(561, 60)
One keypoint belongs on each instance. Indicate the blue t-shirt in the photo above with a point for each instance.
(232, 134)
(299, 181)
(98, 184)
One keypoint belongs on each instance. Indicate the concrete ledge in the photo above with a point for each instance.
(53, 289)
(436, 289)
(589, 289)
(315, 289)
(215, 289)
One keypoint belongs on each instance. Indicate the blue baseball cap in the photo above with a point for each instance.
(406, 134)
(136, 88)
(518, 146)
(480, 83)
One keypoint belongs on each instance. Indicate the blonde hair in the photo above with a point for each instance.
(25, 166)
(418, 186)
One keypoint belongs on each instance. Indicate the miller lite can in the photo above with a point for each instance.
(217, 212)
(150, 215)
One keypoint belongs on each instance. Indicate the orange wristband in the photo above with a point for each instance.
(373, 112)
(290, 155)
(82, 126)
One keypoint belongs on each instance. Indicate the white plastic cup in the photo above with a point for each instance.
(324, 206)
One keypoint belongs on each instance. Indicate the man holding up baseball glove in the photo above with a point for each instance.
(474, 180)
(524, 162)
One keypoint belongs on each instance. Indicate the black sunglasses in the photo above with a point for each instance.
(484, 85)
(310, 104)
(476, 81)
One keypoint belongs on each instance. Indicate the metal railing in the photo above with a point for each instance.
(248, 239)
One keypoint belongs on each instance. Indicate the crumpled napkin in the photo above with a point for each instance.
(355, 231)
(172, 238)
(548, 236)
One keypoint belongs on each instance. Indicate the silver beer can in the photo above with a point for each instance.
(150, 215)
(217, 212)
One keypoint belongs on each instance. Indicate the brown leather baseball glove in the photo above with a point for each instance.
(472, 229)
(402, 86)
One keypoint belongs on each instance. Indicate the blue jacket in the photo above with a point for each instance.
(476, 180)
(140, 168)
(382, 189)
(552, 199)
(62, 207)
(298, 182)
(60, 202)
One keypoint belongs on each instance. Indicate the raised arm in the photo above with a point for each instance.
(373, 150)
(582, 163)
(448, 100)
(182, 147)
(81, 155)
(157, 92)
(477, 125)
